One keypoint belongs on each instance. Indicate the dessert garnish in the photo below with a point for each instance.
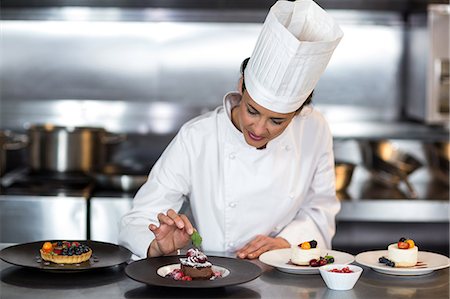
(343, 270)
(322, 261)
(196, 239)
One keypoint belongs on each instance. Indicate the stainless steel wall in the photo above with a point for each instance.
(70, 68)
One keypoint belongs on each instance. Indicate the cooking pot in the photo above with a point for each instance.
(388, 164)
(9, 141)
(69, 149)
(438, 157)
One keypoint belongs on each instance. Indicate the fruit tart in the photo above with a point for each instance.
(65, 252)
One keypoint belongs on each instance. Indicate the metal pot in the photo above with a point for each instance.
(9, 141)
(388, 164)
(69, 149)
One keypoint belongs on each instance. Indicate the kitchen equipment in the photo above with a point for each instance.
(388, 164)
(433, 107)
(122, 178)
(343, 172)
(438, 157)
(9, 141)
(69, 149)
(28, 218)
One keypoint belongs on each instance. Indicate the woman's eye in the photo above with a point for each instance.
(277, 122)
(251, 111)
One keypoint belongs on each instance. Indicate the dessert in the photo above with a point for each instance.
(402, 254)
(303, 253)
(65, 252)
(196, 265)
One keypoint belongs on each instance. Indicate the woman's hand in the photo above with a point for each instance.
(173, 233)
(261, 244)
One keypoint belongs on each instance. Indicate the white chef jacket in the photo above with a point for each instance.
(237, 191)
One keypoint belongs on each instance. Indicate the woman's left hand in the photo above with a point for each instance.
(261, 244)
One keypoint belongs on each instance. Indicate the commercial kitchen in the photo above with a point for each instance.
(92, 92)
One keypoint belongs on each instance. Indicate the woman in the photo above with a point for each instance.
(258, 171)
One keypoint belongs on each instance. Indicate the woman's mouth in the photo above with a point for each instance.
(255, 137)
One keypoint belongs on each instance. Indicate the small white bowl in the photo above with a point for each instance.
(340, 281)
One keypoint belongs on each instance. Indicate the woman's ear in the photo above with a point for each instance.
(239, 85)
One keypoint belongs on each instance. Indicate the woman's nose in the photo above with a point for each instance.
(260, 127)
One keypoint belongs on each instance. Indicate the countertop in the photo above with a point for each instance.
(17, 282)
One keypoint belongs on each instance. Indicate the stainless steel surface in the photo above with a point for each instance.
(113, 283)
(105, 216)
(9, 141)
(68, 149)
(174, 62)
(119, 177)
(27, 218)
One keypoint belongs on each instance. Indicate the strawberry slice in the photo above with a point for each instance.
(58, 250)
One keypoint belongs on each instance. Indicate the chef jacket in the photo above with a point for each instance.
(237, 191)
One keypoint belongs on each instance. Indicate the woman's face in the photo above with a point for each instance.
(258, 124)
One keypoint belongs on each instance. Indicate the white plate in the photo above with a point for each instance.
(431, 262)
(280, 259)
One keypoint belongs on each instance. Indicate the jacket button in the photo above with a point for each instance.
(291, 196)
(287, 147)
(232, 156)
(232, 204)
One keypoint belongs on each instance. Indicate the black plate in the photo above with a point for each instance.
(145, 271)
(103, 255)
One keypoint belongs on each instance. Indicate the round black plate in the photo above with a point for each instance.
(103, 255)
(146, 271)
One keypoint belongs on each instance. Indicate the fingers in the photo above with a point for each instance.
(261, 244)
(172, 218)
(251, 248)
(187, 224)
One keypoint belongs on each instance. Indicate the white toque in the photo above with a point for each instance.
(293, 49)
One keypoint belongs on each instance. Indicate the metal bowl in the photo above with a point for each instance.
(388, 164)
(118, 177)
(343, 172)
(438, 157)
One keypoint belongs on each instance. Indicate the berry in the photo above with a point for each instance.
(188, 278)
(313, 243)
(47, 247)
(411, 243)
(402, 239)
(403, 245)
(329, 259)
(323, 262)
(314, 263)
(305, 245)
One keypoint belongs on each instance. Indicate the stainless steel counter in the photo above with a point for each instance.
(17, 282)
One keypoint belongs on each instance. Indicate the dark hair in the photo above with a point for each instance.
(242, 69)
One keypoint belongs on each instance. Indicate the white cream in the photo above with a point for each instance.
(403, 257)
(303, 256)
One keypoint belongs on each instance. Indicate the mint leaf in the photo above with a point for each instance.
(196, 239)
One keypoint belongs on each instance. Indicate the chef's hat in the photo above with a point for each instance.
(291, 53)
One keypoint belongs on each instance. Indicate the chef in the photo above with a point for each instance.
(258, 171)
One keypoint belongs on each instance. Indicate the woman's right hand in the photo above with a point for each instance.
(174, 232)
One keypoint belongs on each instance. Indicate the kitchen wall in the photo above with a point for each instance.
(67, 66)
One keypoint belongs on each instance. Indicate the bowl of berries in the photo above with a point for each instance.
(340, 277)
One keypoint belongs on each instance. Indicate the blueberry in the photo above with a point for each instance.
(383, 260)
(313, 243)
(402, 239)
